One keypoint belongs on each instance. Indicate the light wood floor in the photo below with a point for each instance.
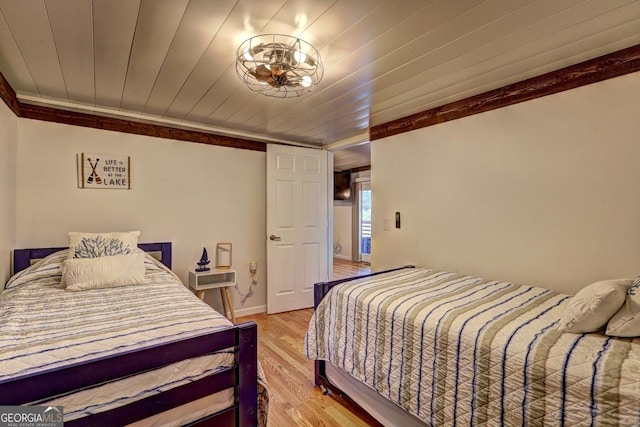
(294, 400)
(343, 268)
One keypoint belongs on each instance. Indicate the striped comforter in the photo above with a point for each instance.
(43, 326)
(454, 349)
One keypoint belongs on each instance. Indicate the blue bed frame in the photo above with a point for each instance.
(242, 376)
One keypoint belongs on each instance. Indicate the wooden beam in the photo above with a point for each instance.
(49, 114)
(56, 115)
(605, 67)
(360, 169)
(8, 95)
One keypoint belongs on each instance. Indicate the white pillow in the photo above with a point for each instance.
(591, 308)
(626, 322)
(81, 274)
(93, 245)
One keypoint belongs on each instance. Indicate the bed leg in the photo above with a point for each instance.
(318, 371)
(247, 414)
(324, 390)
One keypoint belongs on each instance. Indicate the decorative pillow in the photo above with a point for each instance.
(93, 245)
(80, 274)
(626, 322)
(591, 308)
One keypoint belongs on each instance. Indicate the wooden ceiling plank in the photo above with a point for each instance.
(342, 16)
(471, 85)
(371, 26)
(158, 21)
(466, 91)
(339, 126)
(240, 24)
(201, 23)
(227, 89)
(114, 24)
(31, 30)
(352, 157)
(461, 28)
(512, 48)
(355, 33)
(440, 62)
(342, 134)
(12, 63)
(352, 107)
(389, 44)
(598, 69)
(414, 86)
(505, 70)
(72, 30)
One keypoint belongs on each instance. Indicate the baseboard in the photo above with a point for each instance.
(346, 257)
(250, 310)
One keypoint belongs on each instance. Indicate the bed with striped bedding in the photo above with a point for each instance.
(45, 328)
(454, 349)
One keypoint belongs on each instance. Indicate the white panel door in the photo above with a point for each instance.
(297, 225)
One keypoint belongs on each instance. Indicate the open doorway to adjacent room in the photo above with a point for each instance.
(352, 228)
(352, 214)
(362, 212)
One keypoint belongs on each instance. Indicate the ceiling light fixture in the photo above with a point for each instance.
(278, 65)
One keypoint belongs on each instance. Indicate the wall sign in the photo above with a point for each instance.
(104, 171)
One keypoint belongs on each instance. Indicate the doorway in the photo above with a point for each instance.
(363, 213)
(361, 220)
(297, 238)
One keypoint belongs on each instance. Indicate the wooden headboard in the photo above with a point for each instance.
(22, 258)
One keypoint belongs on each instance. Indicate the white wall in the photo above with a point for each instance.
(193, 195)
(8, 143)
(342, 228)
(544, 192)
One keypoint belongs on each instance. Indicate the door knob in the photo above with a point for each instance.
(274, 238)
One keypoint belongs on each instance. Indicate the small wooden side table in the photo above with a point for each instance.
(201, 281)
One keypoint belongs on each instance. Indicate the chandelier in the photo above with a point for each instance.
(278, 65)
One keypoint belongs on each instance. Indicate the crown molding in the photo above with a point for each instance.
(96, 121)
(605, 67)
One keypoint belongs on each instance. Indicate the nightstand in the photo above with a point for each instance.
(200, 281)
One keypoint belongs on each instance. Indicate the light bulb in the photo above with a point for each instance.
(247, 55)
(299, 56)
(306, 81)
